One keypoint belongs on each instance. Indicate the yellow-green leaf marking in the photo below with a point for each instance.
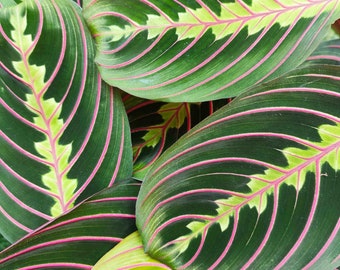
(47, 118)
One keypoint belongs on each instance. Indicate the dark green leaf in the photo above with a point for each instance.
(190, 51)
(64, 133)
(255, 185)
(80, 237)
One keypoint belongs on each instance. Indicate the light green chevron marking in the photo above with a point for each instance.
(300, 162)
(47, 117)
(120, 33)
(233, 17)
(174, 115)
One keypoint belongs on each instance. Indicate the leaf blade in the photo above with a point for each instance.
(256, 175)
(155, 126)
(80, 237)
(128, 254)
(180, 45)
(55, 117)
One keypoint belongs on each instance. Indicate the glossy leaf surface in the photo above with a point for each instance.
(155, 126)
(189, 51)
(258, 179)
(328, 52)
(79, 238)
(64, 133)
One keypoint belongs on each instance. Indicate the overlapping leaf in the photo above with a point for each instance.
(184, 51)
(128, 254)
(257, 183)
(327, 52)
(64, 133)
(79, 238)
(3, 243)
(157, 125)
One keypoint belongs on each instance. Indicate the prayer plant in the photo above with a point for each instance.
(170, 134)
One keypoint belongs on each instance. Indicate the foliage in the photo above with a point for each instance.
(3, 243)
(170, 134)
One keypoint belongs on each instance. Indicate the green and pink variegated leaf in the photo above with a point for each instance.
(257, 182)
(129, 254)
(79, 238)
(155, 126)
(190, 51)
(327, 52)
(64, 133)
